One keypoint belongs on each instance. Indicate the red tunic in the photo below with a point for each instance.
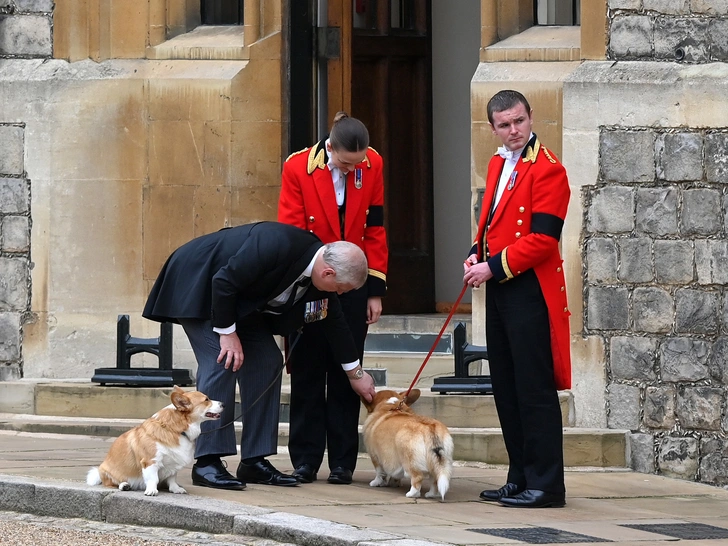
(525, 235)
(308, 201)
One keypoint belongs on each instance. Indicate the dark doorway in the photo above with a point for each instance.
(221, 12)
(301, 102)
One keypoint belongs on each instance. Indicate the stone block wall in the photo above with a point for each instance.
(14, 250)
(656, 290)
(678, 30)
(26, 29)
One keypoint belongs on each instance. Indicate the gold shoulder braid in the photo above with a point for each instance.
(296, 153)
(532, 152)
(316, 160)
(548, 155)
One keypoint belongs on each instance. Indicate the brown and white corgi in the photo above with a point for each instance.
(402, 443)
(153, 452)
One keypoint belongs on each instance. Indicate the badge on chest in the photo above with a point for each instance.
(316, 310)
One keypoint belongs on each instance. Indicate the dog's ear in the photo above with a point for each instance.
(180, 400)
(412, 397)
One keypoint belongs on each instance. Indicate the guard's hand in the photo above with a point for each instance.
(364, 387)
(231, 351)
(374, 309)
(477, 274)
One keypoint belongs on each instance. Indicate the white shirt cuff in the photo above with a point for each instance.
(350, 365)
(228, 330)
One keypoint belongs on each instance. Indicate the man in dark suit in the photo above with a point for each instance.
(232, 291)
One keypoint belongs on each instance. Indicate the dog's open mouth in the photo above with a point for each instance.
(211, 415)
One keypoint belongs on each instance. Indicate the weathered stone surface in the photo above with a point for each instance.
(679, 156)
(678, 457)
(718, 361)
(9, 336)
(26, 35)
(624, 406)
(15, 234)
(684, 359)
(701, 212)
(601, 259)
(653, 309)
(632, 358)
(14, 195)
(711, 261)
(709, 7)
(714, 461)
(674, 262)
(627, 156)
(716, 155)
(13, 284)
(681, 38)
(36, 6)
(656, 211)
(608, 308)
(10, 371)
(624, 4)
(636, 260)
(611, 210)
(718, 39)
(696, 311)
(631, 36)
(11, 149)
(671, 7)
(642, 453)
(659, 408)
(700, 407)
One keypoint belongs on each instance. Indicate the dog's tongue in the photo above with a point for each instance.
(212, 415)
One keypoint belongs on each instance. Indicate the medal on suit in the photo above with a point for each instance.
(316, 310)
(512, 180)
(357, 178)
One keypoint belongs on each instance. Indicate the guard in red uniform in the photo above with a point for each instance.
(334, 189)
(516, 253)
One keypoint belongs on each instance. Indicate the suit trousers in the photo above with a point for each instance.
(522, 372)
(259, 382)
(324, 407)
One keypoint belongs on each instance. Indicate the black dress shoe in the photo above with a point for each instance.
(534, 498)
(263, 472)
(304, 473)
(508, 490)
(340, 475)
(215, 475)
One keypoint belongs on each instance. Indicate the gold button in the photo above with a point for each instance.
(562, 288)
(311, 219)
(519, 222)
(558, 270)
(365, 226)
(566, 309)
(367, 212)
(518, 234)
(362, 238)
(518, 272)
(521, 209)
(310, 230)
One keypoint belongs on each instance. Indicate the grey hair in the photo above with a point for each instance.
(349, 262)
(505, 100)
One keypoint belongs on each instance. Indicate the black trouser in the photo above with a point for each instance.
(521, 367)
(324, 407)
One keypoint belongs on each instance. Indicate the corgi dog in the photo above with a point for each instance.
(402, 443)
(153, 452)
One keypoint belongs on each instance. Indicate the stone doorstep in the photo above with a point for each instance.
(599, 448)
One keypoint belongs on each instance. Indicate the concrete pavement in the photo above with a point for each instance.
(45, 474)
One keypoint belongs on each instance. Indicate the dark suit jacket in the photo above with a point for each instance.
(229, 276)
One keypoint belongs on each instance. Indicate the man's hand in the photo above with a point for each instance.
(364, 387)
(374, 309)
(476, 273)
(231, 351)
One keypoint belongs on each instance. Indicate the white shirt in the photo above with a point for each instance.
(511, 157)
(338, 177)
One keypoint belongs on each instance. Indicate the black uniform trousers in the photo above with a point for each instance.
(521, 367)
(324, 407)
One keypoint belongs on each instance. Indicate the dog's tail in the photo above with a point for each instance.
(441, 461)
(93, 477)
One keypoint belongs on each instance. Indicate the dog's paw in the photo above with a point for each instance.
(413, 493)
(124, 486)
(432, 493)
(378, 482)
(151, 492)
(177, 489)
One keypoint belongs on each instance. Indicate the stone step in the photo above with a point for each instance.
(600, 448)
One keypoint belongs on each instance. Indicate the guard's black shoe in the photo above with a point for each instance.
(508, 490)
(340, 475)
(534, 498)
(215, 475)
(263, 472)
(304, 473)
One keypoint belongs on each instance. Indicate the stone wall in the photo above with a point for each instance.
(656, 270)
(14, 250)
(26, 28)
(681, 30)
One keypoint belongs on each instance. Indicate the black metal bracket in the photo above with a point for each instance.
(127, 346)
(462, 381)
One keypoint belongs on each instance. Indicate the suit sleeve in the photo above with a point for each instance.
(290, 204)
(549, 201)
(375, 236)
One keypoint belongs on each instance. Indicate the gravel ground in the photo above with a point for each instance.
(29, 530)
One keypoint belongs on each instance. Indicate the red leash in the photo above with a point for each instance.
(447, 321)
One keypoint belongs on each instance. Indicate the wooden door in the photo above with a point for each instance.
(383, 77)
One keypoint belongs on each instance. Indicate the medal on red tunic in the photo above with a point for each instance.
(357, 179)
(512, 180)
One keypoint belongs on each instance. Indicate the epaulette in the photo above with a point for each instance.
(296, 153)
(547, 154)
(317, 157)
(531, 152)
